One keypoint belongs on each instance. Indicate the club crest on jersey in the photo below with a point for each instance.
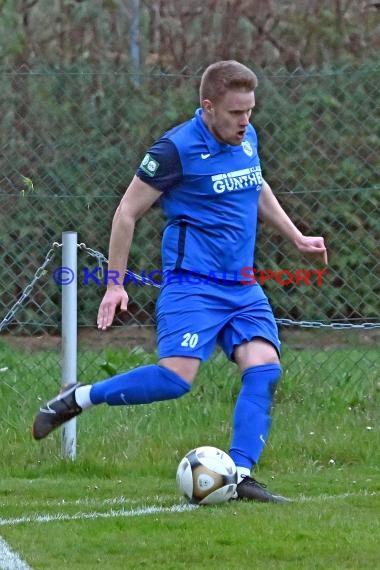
(247, 148)
(149, 165)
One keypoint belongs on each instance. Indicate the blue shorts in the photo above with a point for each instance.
(192, 318)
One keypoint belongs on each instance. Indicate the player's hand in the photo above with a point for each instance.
(114, 297)
(313, 246)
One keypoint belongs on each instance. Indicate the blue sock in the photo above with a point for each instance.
(252, 413)
(142, 385)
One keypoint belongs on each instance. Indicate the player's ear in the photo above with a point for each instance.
(207, 106)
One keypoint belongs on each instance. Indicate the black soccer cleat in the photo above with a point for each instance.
(251, 490)
(56, 412)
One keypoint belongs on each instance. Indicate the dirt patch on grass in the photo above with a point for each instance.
(118, 337)
(135, 336)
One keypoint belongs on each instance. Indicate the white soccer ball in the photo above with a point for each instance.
(207, 476)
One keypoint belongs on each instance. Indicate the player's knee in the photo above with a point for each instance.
(257, 352)
(185, 367)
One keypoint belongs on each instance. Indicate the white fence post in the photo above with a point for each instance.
(69, 333)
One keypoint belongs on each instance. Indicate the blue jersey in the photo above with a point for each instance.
(210, 195)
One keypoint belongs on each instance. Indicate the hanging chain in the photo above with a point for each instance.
(102, 259)
(28, 289)
(320, 325)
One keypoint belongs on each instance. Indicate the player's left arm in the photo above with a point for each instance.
(272, 214)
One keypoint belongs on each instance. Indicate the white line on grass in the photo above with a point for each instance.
(98, 515)
(40, 518)
(94, 502)
(9, 560)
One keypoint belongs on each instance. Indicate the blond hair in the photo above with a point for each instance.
(223, 76)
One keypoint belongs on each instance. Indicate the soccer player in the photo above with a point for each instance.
(206, 173)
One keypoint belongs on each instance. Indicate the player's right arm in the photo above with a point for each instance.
(137, 200)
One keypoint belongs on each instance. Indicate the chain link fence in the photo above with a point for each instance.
(72, 139)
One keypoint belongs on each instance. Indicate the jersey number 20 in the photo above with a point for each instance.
(190, 340)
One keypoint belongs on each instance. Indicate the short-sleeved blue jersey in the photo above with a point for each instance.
(210, 194)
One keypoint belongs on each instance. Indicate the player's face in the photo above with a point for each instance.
(228, 118)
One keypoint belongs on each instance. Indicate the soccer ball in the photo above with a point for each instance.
(207, 476)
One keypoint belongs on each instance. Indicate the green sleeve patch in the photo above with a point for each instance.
(149, 165)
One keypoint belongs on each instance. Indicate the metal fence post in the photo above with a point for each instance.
(69, 332)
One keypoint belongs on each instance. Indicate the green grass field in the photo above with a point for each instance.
(117, 505)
